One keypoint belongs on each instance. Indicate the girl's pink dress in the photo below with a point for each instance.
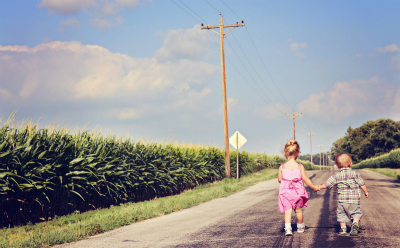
(292, 193)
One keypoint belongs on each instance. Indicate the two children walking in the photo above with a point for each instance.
(293, 195)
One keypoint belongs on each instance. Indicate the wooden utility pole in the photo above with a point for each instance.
(294, 116)
(320, 155)
(225, 108)
(310, 133)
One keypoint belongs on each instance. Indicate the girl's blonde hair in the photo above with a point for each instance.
(292, 149)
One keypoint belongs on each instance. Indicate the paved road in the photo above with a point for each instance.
(251, 218)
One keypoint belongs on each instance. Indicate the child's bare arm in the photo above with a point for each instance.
(322, 186)
(307, 180)
(364, 187)
(280, 174)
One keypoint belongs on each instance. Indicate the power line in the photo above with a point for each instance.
(262, 61)
(213, 6)
(254, 68)
(270, 101)
(192, 11)
(273, 81)
(252, 76)
(231, 9)
(186, 11)
(233, 65)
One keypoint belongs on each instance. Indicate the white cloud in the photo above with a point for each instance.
(234, 106)
(5, 95)
(346, 99)
(71, 71)
(389, 48)
(191, 43)
(67, 7)
(362, 55)
(113, 7)
(104, 7)
(359, 55)
(106, 23)
(127, 113)
(71, 23)
(294, 46)
(102, 13)
(300, 55)
(395, 62)
(271, 112)
(396, 107)
(192, 99)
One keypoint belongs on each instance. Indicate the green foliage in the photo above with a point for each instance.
(306, 164)
(46, 173)
(388, 160)
(372, 139)
(78, 226)
(393, 173)
(317, 158)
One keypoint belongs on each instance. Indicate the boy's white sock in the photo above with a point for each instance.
(300, 225)
(355, 221)
(343, 227)
(288, 225)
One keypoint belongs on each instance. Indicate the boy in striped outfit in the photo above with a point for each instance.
(349, 184)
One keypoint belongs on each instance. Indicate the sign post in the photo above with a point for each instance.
(237, 140)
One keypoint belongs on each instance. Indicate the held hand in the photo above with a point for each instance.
(317, 188)
(366, 194)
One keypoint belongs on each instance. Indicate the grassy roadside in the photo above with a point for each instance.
(78, 226)
(393, 173)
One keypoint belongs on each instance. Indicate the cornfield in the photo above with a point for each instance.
(52, 172)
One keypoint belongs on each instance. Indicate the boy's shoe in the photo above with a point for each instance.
(300, 229)
(354, 228)
(342, 231)
(288, 232)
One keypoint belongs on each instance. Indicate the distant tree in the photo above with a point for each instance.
(316, 157)
(371, 139)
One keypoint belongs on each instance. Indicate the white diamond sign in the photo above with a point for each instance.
(237, 140)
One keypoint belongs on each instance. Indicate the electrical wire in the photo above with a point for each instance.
(248, 60)
(212, 6)
(192, 11)
(262, 61)
(233, 65)
(266, 68)
(251, 75)
(186, 11)
(230, 9)
(270, 102)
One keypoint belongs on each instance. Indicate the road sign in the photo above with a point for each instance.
(237, 140)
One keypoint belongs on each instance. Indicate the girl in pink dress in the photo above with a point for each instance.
(292, 194)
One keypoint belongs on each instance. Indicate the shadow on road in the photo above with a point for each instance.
(391, 183)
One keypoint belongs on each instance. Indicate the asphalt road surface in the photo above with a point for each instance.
(250, 218)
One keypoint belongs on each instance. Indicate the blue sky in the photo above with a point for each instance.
(145, 67)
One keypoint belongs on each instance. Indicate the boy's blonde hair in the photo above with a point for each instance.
(292, 149)
(343, 160)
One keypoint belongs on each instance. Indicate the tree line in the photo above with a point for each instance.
(373, 138)
(317, 158)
